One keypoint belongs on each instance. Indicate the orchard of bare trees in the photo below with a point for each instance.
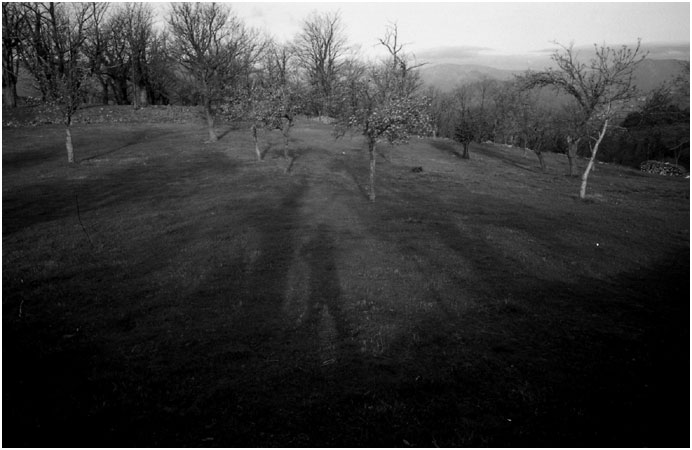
(204, 54)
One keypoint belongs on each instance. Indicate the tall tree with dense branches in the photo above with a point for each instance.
(214, 47)
(321, 47)
(12, 28)
(137, 20)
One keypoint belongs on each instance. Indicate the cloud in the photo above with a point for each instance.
(656, 50)
(537, 59)
(455, 52)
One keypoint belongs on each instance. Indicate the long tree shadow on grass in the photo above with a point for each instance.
(501, 155)
(132, 138)
(543, 363)
(209, 355)
(171, 354)
(488, 151)
(27, 205)
(446, 147)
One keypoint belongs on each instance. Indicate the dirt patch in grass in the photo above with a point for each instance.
(200, 298)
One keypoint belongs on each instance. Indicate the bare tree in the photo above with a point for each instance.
(321, 47)
(402, 66)
(465, 128)
(483, 91)
(95, 44)
(12, 27)
(213, 46)
(271, 99)
(137, 20)
(284, 90)
(383, 109)
(55, 56)
(113, 63)
(533, 123)
(465, 132)
(599, 88)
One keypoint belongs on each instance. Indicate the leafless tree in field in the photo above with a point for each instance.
(321, 47)
(215, 47)
(13, 21)
(600, 89)
(137, 20)
(55, 35)
(385, 107)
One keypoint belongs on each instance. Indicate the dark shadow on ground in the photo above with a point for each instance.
(132, 138)
(359, 179)
(117, 184)
(581, 363)
(447, 147)
(491, 151)
(324, 288)
(219, 360)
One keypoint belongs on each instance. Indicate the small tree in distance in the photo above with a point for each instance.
(270, 99)
(320, 48)
(383, 106)
(464, 132)
(533, 122)
(272, 108)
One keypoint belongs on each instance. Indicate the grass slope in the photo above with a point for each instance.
(200, 298)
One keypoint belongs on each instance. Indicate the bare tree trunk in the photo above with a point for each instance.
(120, 90)
(210, 120)
(285, 129)
(143, 96)
(466, 154)
(254, 136)
(104, 91)
(585, 176)
(68, 145)
(373, 159)
(135, 96)
(572, 147)
(593, 169)
(9, 93)
(525, 147)
(541, 160)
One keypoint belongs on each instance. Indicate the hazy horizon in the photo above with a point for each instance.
(540, 58)
(486, 32)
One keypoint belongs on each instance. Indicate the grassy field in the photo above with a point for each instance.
(167, 292)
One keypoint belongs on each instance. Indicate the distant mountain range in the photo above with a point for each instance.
(446, 76)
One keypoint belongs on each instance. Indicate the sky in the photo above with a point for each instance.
(482, 32)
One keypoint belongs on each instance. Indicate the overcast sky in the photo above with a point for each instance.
(486, 28)
(486, 33)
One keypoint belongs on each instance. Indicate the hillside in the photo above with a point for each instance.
(445, 77)
(652, 72)
(163, 292)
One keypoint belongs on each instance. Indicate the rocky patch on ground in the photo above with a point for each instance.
(662, 168)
